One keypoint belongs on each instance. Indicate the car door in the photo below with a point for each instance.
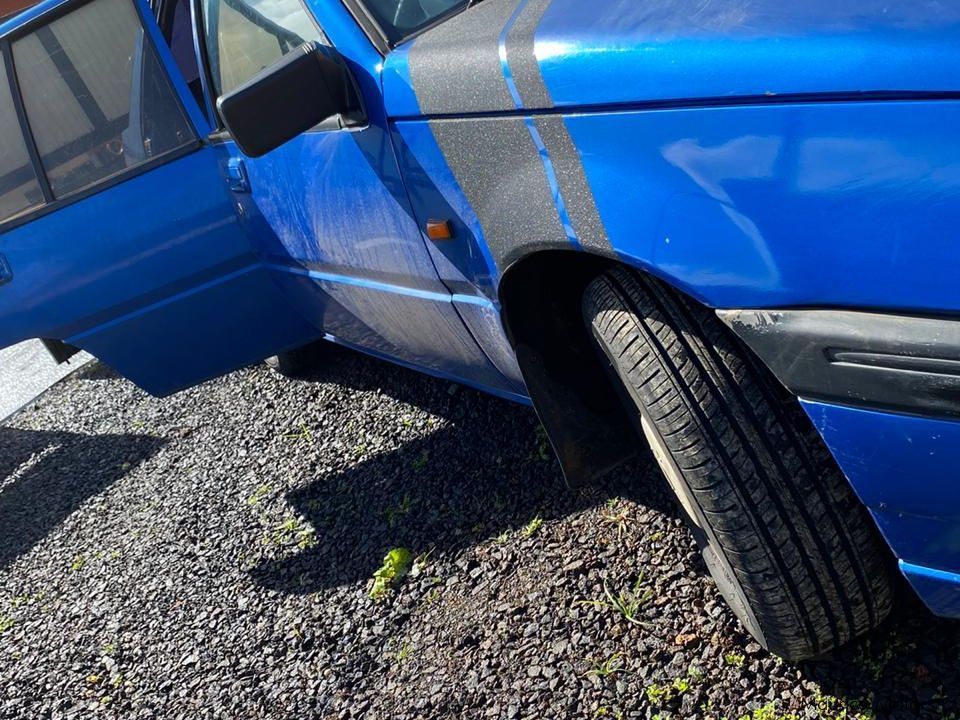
(345, 241)
(118, 233)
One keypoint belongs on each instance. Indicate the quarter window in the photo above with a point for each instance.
(19, 188)
(96, 97)
(245, 36)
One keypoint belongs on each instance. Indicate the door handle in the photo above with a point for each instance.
(237, 175)
(6, 274)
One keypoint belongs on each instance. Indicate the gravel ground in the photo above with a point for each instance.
(210, 555)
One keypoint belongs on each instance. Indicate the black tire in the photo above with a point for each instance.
(299, 362)
(791, 548)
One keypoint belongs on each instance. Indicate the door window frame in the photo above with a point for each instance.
(195, 120)
(219, 133)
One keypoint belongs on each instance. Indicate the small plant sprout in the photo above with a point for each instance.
(6, 622)
(617, 517)
(421, 461)
(396, 565)
(395, 512)
(734, 660)
(626, 602)
(660, 695)
(259, 494)
(769, 712)
(403, 653)
(543, 451)
(530, 529)
(78, 562)
(303, 434)
(420, 562)
(608, 667)
(293, 531)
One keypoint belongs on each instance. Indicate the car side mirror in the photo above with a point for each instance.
(303, 88)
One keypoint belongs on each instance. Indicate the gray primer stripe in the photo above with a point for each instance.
(455, 67)
(577, 195)
(520, 55)
(501, 173)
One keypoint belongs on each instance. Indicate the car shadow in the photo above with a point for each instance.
(46, 476)
(447, 491)
(487, 470)
(907, 668)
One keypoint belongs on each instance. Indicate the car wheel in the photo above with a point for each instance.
(299, 362)
(791, 548)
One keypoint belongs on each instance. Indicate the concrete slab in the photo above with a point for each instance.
(26, 370)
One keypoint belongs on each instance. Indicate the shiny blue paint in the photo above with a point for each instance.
(602, 52)
(118, 281)
(398, 94)
(532, 129)
(827, 204)
(464, 263)
(364, 276)
(519, 397)
(741, 200)
(904, 469)
(939, 589)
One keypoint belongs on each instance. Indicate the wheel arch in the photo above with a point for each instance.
(540, 299)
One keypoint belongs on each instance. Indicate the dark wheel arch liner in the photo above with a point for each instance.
(540, 296)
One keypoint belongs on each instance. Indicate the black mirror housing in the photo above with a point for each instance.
(302, 89)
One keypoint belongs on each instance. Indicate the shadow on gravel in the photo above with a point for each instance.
(909, 668)
(486, 472)
(45, 476)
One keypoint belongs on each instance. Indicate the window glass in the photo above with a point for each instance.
(96, 97)
(179, 35)
(245, 36)
(19, 189)
(399, 18)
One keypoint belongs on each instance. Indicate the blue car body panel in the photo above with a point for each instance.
(904, 468)
(622, 52)
(752, 154)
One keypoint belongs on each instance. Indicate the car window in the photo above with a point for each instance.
(19, 187)
(96, 97)
(178, 30)
(399, 18)
(245, 36)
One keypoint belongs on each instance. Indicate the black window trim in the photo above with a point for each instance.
(52, 204)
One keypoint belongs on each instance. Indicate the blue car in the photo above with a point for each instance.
(728, 231)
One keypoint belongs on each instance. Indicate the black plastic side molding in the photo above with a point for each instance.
(889, 362)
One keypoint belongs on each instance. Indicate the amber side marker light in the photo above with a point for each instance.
(439, 230)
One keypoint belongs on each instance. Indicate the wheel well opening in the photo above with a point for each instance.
(540, 298)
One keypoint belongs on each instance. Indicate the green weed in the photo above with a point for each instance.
(608, 667)
(396, 565)
(293, 531)
(259, 494)
(734, 660)
(530, 529)
(627, 602)
(395, 512)
(302, 434)
(421, 461)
